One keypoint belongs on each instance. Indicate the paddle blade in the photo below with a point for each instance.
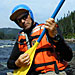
(24, 70)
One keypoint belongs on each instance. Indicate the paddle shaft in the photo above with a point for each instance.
(53, 16)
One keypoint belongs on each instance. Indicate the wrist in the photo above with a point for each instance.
(52, 33)
(57, 38)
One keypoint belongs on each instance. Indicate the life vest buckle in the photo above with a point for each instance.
(44, 71)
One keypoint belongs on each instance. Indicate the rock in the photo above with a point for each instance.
(72, 63)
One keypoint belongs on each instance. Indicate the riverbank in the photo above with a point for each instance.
(72, 63)
(70, 40)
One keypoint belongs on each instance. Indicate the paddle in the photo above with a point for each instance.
(24, 70)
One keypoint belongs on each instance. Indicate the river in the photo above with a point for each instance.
(5, 51)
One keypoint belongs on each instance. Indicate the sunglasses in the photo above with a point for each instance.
(24, 17)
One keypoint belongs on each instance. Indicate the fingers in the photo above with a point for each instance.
(23, 55)
(27, 62)
(51, 27)
(50, 24)
(50, 21)
(23, 59)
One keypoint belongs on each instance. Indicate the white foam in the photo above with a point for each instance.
(3, 46)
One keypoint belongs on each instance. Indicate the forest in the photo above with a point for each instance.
(66, 25)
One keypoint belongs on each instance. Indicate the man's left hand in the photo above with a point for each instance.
(51, 27)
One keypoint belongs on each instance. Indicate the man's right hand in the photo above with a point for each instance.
(23, 59)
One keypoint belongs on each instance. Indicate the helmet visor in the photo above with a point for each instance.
(17, 13)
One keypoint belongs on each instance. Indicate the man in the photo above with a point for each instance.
(52, 53)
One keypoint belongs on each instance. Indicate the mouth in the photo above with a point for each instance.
(26, 26)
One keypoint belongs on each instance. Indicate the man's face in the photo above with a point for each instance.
(24, 21)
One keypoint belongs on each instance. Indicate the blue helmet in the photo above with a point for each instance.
(20, 9)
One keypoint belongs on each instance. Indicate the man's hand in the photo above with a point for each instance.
(23, 60)
(51, 27)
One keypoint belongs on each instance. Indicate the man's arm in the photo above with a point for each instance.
(64, 50)
(56, 38)
(13, 57)
(18, 58)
